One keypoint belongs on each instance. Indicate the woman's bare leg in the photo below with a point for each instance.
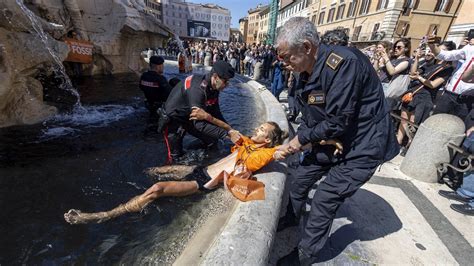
(136, 204)
(402, 128)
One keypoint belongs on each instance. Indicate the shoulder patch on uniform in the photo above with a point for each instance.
(187, 82)
(334, 60)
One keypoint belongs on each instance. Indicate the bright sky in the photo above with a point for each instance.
(238, 8)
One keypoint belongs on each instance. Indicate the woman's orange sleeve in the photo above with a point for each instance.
(260, 158)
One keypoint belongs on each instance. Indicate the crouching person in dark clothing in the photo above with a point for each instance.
(155, 86)
(193, 107)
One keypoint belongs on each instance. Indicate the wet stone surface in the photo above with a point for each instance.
(93, 160)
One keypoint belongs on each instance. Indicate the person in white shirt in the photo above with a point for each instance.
(458, 96)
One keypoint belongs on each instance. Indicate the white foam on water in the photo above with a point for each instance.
(94, 116)
(84, 117)
(55, 132)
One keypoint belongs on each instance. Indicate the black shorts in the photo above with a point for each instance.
(201, 177)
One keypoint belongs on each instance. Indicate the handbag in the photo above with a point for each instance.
(408, 97)
(242, 184)
(397, 86)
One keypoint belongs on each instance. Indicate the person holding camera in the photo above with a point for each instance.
(418, 102)
(458, 96)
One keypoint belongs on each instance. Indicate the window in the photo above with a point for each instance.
(375, 30)
(364, 7)
(313, 19)
(352, 9)
(321, 18)
(402, 28)
(382, 4)
(443, 5)
(357, 30)
(331, 15)
(433, 29)
(408, 5)
(340, 11)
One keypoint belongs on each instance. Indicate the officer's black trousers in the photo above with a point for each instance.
(342, 181)
(202, 130)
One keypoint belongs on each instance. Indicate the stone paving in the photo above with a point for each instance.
(393, 219)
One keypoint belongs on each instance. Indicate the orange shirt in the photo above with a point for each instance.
(254, 156)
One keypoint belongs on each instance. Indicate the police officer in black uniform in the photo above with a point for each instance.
(155, 86)
(342, 100)
(193, 107)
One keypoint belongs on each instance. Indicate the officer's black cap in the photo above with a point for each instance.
(156, 60)
(223, 69)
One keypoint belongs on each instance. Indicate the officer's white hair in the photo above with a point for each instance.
(295, 31)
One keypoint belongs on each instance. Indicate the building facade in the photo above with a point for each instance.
(463, 25)
(254, 24)
(263, 25)
(289, 9)
(243, 27)
(154, 7)
(369, 21)
(202, 21)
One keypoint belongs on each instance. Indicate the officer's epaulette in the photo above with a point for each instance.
(334, 60)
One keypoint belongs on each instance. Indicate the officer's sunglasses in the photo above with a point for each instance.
(398, 47)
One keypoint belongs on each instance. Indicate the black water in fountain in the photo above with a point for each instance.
(93, 160)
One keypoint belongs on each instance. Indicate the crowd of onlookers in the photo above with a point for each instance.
(417, 81)
(413, 79)
(435, 77)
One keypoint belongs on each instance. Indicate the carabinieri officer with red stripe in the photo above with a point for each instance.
(193, 107)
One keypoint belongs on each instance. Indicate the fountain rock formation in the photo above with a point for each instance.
(118, 29)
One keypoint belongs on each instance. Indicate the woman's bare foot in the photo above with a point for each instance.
(174, 172)
(77, 217)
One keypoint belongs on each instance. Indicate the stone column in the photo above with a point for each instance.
(429, 147)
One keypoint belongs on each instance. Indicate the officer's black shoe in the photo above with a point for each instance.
(296, 258)
(452, 195)
(291, 259)
(403, 151)
(465, 209)
(286, 222)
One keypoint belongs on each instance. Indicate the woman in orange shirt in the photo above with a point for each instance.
(254, 152)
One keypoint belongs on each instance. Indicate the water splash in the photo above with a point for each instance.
(85, 117)
(58, 68)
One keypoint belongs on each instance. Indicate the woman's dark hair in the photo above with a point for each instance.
(405, 42)
(277, 135)
(335, 37)
(450, 45)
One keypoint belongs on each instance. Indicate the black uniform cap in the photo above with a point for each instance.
(156, 60)
(223, 69)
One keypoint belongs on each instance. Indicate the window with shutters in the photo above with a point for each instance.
(340, 12)
(402, 28)
(356, 34)
(331, 14)
(321, 18)
(382, 4)
(364, 7)
(443, 6)
(352, 8)
(433, 29)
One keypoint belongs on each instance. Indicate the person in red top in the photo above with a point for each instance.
(255, 152)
